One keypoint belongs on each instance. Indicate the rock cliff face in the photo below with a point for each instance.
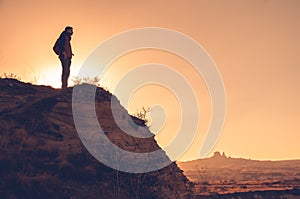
(41, 155)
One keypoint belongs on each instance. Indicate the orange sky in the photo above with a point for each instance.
(255, 44)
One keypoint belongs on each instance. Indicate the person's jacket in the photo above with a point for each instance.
(65, 39)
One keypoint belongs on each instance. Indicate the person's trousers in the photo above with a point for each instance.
(66, 64)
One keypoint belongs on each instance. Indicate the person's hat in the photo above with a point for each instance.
(68, 28)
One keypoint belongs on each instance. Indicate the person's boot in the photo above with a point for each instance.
(64, 87)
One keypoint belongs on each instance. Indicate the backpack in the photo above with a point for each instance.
(57, 46)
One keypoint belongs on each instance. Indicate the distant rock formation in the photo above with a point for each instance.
(217, 154)
(41, 155)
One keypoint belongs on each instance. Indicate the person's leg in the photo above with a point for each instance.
(65, 63)
(68, 70)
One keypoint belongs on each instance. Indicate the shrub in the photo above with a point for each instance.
(11, 76)
(143, 114)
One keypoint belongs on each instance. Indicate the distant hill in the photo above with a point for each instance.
(225, 175)
(221, 167)
(41, 155)
(268, 194)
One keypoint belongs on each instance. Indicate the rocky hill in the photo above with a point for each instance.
(41, 155)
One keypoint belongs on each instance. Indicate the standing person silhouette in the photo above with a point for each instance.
(63, 48)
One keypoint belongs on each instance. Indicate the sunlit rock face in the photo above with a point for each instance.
(41, 155)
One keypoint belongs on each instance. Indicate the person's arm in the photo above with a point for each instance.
(63, 53)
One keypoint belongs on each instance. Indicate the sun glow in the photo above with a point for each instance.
(50, 77)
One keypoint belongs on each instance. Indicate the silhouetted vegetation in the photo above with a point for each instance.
(143, 114)
(11, 76)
